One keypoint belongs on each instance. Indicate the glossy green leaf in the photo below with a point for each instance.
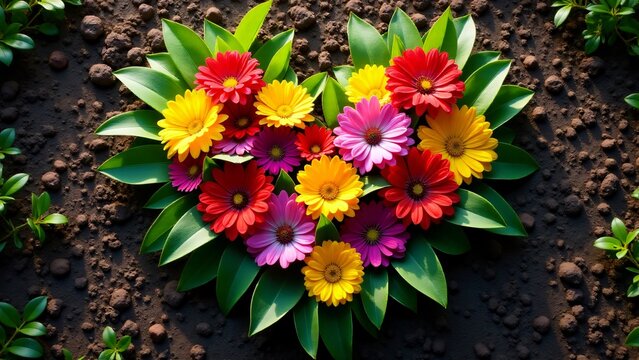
(14, 184)
(366, 44)
(373, 183)
(510, 100)
(635, 193)
(315, 84)
(235, 159)
(484, 84)
(442, 35)
(402, 26)
(18, 6)
(343, 73)
(188, 234)
(336, 330)
(159, 230)
(6, 54)
(633, 100)
(163, 63)
(513, 223)
(475, 211)
(267, 51)
(512, 163)
(7, 138)
(250, 25)
(397, 47)
(34, 329)
(55, 219)
(633, 338)
(202, 265)
(123, 344)
(402, 292)
(448, 238)
(9, 315)
(477, 60)
(234, 276)
(213, 32)
(18, 41)
(34, 308)
(146, 164)
(504, 134)
(291, 76)
(142, 123)
(633, 290)
(619, 229)
(153, 87)
(466, 33)
(562, 14)
(360, 315)
(26, 348)
(108, 337)
(421, 269)
(49, 29)
(187, 50)
(275, 295)
(279, 63)
(333, 101)
(325, 230)
(375, 295)
(284, 183)
(306, 318)
(163, 197)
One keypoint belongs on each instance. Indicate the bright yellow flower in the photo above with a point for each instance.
(284, 104)
(333, 273)
(191, 123)
(368, 82)
(463, 138)
(329, 186)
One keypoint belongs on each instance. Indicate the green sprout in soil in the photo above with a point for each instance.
(633, 100)
(18, 331)
(114, 346)
(18, 17)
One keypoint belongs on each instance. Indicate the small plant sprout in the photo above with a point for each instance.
(623, 245)
(114, 346)
(18, 331)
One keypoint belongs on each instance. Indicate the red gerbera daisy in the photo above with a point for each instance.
(231, 76)
(427, 82)
(314, 142)
(242, 121)
(236, 199)
(422, 187)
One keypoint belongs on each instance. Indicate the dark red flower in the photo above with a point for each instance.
(236, 199)
(422, 188)
(314, 142)
(426, 81)
(242, 120)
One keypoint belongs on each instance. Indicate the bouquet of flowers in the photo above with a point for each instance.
(328, 217)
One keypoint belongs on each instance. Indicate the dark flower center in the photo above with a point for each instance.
(193, 171)
(424, 85)
(372, 235)
(328, 191)
(454, 147)
(242, 122)
(284, 234)
(276, 153)
(332, 273)
(373, 136)
(416, 189)
(239, 200)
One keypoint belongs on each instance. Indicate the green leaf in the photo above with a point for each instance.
(123, 344)
(466, 33)
(188, 234)
(305, 316)
(619, 229)
(397, 48)
(108, 354)
(504, 134)
(360, 314)
(402, 26)
(153, 87)
(49, 29)
(34, 308)
(159, 230)
(141, 123)
(562, 15)
(187, 50)
(477, 60)
(421, 269)
(402, 292)
(448, 238)
(633, 338)
(26, 348)
(373, 183)
(442, 35)
(108, 337)
(267, 51)
(512, 163)
(635, 193)
(55, 219)
(163, 197)
(9, 315)
(7, 137)
(343, 73)
(315, 84)
(509, 101)
(213, 32)
(475, 211)
(250, 25)
(325, 230)
(14, 184)
(632, 235)
(163, 63)
(18, 41)
(146, 164)
(366, 44)
(279, 63)
(275, 295)
(633, 100)
(6, 54)
(333, 101)
(375, 295)
(234, 276)
(484, 84)
(633, 290)
(235, 159)
(284, 183)
(34, 329)
(621, 253)
(40, 204)
(202, 265)
(336, 330)
(18, 6)
(513, 223)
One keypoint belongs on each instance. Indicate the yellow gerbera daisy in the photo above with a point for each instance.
(333, 273)
(329, 186)
(284, 104)
(463, 138)
(369, 81)
(191, 123)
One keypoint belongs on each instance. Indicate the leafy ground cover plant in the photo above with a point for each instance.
(19, 17)
(351, 208)
(633, 100)
(40, 204)
(19, 330)
(607, 21)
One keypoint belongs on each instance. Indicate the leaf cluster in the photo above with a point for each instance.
(18, 331)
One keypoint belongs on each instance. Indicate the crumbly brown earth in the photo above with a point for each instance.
(550, 296)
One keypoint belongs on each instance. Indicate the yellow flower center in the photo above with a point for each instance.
(230, 82)
(276, 153)
(193, 170)
(332, 273)
(315, 149)
(328, 191)
(375, 92)
(373, 136)
(284, 111)
(416, 190)
(425, 84)
(454, 147)
(284, 234)
(242, 122)
(194, 126)
(372, 235)
(239, 200)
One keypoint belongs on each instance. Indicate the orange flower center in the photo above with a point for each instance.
(284, 111)
(193, 170)
(194, 127)
(425, 84)
(328, 191)
(373, 136)
(276, 153)
(315, 148)
(284, 234)
(230, 82)
(372, 235)
(454, 147)
(239, 200)
(332, 273)
(242, 122)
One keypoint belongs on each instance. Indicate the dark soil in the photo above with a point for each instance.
(550, 296)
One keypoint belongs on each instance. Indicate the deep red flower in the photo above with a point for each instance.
(236, 199)
(314, 142)
(422, 188)
(428, 82)
(242, 120)
(231, 76)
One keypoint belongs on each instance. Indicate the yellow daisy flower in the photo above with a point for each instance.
(284, 104)
(333, 273)
(369, 81)
(463, 138)
(329, 186)
(191, 123)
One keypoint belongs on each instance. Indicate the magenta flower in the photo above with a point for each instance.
(186, 176)
(376, 234)
(286, 235)
(275, 150)
(234, 146)
(372, 135)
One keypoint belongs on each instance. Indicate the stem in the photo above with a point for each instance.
(33, 18)
(13, 231)
(15, 333)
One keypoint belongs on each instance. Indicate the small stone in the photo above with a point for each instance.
(80, 283)
(58, 60)
(597, 269)
(609, 186)
(604, 209)
(171, 296)
(9, 114)
(157, 332)
(354, 6)
(530, 62)
(120, 299)
(568, 323)
(54, 307)
(608, 144)
(420, 20)
(146, 12)
(51, 181)
(136, 56)
(511, 321)
(593, 65)
(101, 75)
(204, 329)
(324, 60)
(527, 220)
(482, 351)
(554, 84)
(572, 205)
(60, 267)
(59, 166)
(91, 27)
(130, 328)
(570, 273)
(198, 352)
(213, 14)
(541, 324)
(302, 17)
(98, 145)
(574, 296)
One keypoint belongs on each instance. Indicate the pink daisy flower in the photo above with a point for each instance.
(234, 146)
(186, 176)
(376, 234)
(275, 150)
(372, 134)
(286, 235)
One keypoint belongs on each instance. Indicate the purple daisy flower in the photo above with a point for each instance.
(286, 235)
(234, 146)
(376, 234)
(186, 176)
(275, 150)
(372, 134)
